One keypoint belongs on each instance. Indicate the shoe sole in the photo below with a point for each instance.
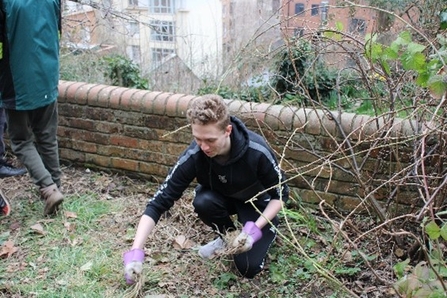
(13, 175)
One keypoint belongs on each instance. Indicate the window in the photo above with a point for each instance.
(158, 54)
(134, 53)
(138, 3)
(314, 11)
(299, 8)
(161, 6)
(162, 31)
(357, 26)
(134, 29)
(298, 31)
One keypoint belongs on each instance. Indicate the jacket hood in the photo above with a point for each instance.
(239, 140)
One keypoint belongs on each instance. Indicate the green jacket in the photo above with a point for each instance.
(29, 53)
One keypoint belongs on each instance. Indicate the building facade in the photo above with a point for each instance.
(151, 32)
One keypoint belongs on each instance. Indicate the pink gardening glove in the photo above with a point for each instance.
(249, 235)
(133, 264)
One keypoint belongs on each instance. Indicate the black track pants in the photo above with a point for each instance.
(215, 211)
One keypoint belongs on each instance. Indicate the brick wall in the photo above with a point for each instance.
(327, 156)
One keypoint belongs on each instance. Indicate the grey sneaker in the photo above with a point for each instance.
(208, 250)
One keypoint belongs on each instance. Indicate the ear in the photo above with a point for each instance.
(228, 129)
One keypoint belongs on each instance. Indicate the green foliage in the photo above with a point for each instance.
(299, 72)
(123, 72)
(212, 88)
(427, 278)
(434, 231)
(225, 280)
(82, 67)
(443, 19)
(420, 282)
(412, 57)
(252, 94)
(71, 258)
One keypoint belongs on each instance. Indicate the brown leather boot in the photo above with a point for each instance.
(53, 198)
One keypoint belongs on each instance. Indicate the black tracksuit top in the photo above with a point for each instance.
(251, 168)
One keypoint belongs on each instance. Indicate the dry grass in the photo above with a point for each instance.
(108, 208)
(135, 290)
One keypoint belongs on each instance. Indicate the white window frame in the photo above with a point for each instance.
(162, 31)
(158, 54)
(357, 25)
(162, 6)
(134, 53)
(134, 29)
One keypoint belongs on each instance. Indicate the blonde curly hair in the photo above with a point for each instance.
(209, 109)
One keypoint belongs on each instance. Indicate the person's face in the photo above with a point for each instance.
(212, 139)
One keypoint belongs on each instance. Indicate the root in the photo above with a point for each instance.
(135, 290)
(229, 249)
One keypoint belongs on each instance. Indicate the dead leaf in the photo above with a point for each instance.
(70, 226)
(8, 249)
(38, 229)
(15, 225)
(87, 266)
(181, 242)
(70, 214)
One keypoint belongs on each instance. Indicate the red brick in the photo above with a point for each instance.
(159, 104)
(147, 104)
(115, 97)
(99, 160)
(172, 103)
(136, 101)
(85, 147)
(272, 117)
(105, 95)
(82, 93)
(123, 141)
(73, 93)
(125, 164)
(126, 98)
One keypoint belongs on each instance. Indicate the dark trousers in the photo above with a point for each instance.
(33, 136)
(2, 131)
(215, 211)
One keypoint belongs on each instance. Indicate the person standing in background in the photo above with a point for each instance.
(6, 168)
(29, 77)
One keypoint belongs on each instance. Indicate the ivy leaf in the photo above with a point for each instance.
(400, 268)
(437, 85)
(433, 231)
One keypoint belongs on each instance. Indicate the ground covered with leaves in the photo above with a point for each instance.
(78, 252)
